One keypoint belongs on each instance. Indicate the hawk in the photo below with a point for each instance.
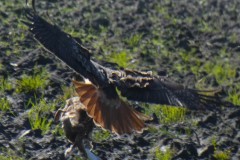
(101, 93)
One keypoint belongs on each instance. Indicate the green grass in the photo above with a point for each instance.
(58, 131)
(134, 40)
(33, 83)
(68, 92)
(223, 72)
(4, 105)
(14, 40)
(160, 155)
(1, 65)
(153, 129)
(167, 114)
(9, 154)
(188, 57)
(219, 154)
(206, 28)
(234, 95)
(5, 85)
(100, 135)
(40, 113)
(122, 58)
(222, 155)
(234, 38)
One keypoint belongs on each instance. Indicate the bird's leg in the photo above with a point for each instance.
(69, 150)
(77, 142)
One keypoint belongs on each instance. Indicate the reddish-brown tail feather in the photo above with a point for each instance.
(115, 114)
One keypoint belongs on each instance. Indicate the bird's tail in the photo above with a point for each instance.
(115, 114)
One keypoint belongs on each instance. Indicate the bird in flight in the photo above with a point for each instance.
(103, 88)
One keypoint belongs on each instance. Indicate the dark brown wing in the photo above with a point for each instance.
(64, 47)
(160, 90)
(52, 38)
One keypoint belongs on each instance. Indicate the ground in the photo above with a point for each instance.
(194, 42)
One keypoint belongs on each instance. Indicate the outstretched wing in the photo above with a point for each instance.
(160, 90)
(63, 46)
(101, 103)
(110, 113)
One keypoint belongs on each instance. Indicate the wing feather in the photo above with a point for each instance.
(64, 47)
(110, 113)
(161, 90)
